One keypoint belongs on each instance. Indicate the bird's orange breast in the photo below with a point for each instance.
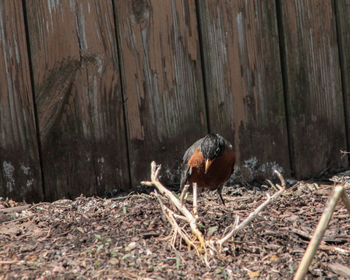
(218, 173)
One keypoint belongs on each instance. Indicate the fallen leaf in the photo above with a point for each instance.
(253, 274)
(274, 258)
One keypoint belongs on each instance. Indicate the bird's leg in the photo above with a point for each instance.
(195, 196)
(220, 195)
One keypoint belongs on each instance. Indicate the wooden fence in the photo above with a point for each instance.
(93, 90)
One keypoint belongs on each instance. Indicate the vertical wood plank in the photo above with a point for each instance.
(20, 176)
(162, 82)
(78, 95)
(314, 90)
(343, 26)
(244, 82)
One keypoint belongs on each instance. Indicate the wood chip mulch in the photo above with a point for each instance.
(128, 238)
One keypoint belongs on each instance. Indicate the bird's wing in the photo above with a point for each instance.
(186, 170)
(228, 144)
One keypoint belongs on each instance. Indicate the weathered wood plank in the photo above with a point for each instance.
(343, 25)
(78, 95)
(20, 176)
(162, 82)
(244, 82)
(314, 90)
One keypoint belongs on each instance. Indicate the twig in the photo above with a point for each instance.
(48, 233)
(250, 217)
(169, 215)
(14, 209)
(272, 185)
(346, 201)
(334, 249)
(179, 216)
(301, 233)
(191, 220)
(319, 232)
(9, 262)
(183, 193)
(19, 219)
(280, 177)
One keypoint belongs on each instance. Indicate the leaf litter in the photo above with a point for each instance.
(128, 238)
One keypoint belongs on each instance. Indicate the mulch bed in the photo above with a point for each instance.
(128, 238)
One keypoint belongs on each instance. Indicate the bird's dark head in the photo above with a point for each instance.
(212, 146)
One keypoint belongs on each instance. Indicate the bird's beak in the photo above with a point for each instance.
(207, 164)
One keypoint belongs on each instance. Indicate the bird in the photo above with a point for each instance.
(209, 162)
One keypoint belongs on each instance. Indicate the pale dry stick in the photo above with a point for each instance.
(319, 232)
(174, 224)
(17, 220)
(211, 243)
(179, 216)
(190, 219)
(251, 216)
(235, 224)
(15, 209)
(168, 214)
(346, 200)
(9, 262)
(335, 249)
(323, 245)
(272, 185)
(183, 193)
(281, 178)
(236, 221)
(177, 229)
(195, 204)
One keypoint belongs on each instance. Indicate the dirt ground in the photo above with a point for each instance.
(128, 238)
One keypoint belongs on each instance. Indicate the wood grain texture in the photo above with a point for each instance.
(244, 81)
(162, 82)
(313, 86)
(20, 176)
(78, 95)
(343, 25)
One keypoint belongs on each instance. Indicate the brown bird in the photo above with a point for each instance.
(209, 162)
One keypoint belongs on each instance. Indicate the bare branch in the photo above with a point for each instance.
(252, 215)
(272, 185)
(176, 203)
(168, 213)
(147, 183)
(319, 232)
(280, 177)
(344, 153)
